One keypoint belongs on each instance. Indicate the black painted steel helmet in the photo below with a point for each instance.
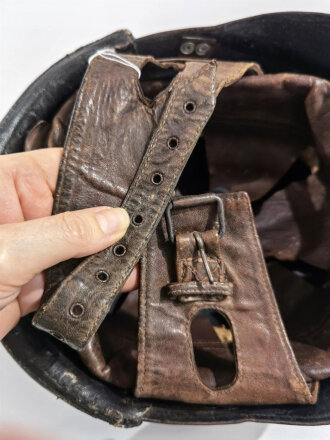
(281, 42)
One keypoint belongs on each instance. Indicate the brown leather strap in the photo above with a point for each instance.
(76, 309)
(265, 368)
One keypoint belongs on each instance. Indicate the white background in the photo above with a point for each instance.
(33, 35)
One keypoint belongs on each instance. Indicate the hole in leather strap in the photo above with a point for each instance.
(157, 178)
(214, 348)
(119, 250)
(76, 310)
(102, 275)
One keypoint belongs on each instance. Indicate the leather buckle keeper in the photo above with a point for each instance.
(200, 274)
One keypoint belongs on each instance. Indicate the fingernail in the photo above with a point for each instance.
(113, 220)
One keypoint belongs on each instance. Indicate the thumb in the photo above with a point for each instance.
(28, 248)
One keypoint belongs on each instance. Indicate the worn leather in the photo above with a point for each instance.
(267, 371)
(119, 365)
(282, 42)
(92, 140)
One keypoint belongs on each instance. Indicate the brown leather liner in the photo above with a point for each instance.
(267, 369)
(285, 93)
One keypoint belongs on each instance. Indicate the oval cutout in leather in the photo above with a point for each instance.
(214, 348)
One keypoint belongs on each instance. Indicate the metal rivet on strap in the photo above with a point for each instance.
(137, 219)
(202, 49)
(119, 250)
(173, 142)
(76, 310)
(187, 48)
(189, 107)
(102, 276)
(157, 178)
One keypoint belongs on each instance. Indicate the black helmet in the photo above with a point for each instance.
(283, 42)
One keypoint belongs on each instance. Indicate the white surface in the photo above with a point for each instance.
(33, 35)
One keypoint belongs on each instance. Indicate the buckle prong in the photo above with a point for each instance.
(201, 248)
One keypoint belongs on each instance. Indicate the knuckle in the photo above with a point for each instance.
(77, 227)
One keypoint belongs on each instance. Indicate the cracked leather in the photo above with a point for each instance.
(266, 369)
(111, 113)
(247, 115)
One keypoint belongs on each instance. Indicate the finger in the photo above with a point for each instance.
(11, 210)
(45, 161)
(28, 248)
(132, 281)
(9, 317)
(28, 183)
(48, 160)
(34, 176)
(30, 294)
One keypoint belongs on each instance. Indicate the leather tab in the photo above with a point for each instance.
(193, 291)
(267, 371)
(193, 276)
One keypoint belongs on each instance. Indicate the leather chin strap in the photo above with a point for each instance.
(75, 309)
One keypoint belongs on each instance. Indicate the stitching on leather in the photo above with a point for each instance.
(75, 160)
(184, 264)
(63, 168)
(153, 143)
(143, 321)
(277, 324)
(64, 165)
(146, 337)
(68, 161)
(94, 258)
(202, 291)
(279, 328)
(147, 371)
(160, 207)
(227, 389)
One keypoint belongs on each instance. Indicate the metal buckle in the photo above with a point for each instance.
(199, 201)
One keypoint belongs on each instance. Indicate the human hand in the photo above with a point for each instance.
(31, 240)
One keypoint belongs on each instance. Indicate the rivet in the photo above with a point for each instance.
(157, 178)
(202, 49)
(137, 219)
(76, 310)
(119, 250)
(187, 48)
(173, 142)
(102, 275)
(189, 107)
